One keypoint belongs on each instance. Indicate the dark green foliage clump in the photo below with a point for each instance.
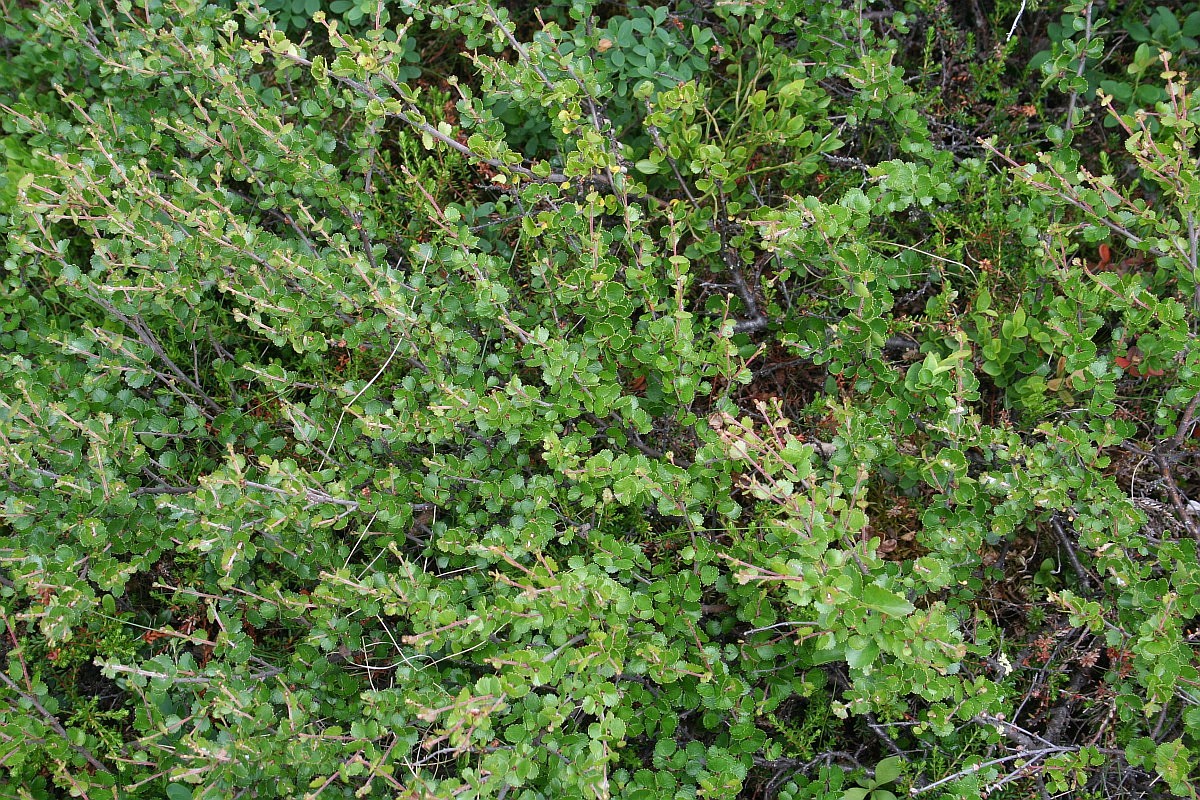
(633, 400)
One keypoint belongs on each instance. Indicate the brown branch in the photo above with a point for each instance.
(1164, 469)
(883, 736)
(1062, 715)
(1084, 578)
(733, 261)
(1182, 429)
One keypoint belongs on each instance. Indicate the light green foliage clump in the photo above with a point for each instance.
(458, 400)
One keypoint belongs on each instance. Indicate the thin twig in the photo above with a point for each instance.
(1022, 737)
(733, 261)
(975, 768)
(1181, 511)
(164, 490)
(147, 338)
(1065, 541)
(353, 400)
(1087, 35)
(1183, 429)
(1016, 20)
(878, 730)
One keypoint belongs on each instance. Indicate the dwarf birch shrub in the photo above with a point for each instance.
(363, 437)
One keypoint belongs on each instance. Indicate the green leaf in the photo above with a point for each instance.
(177, 791)
(888, 770)
(884, 601)
(859, 659)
